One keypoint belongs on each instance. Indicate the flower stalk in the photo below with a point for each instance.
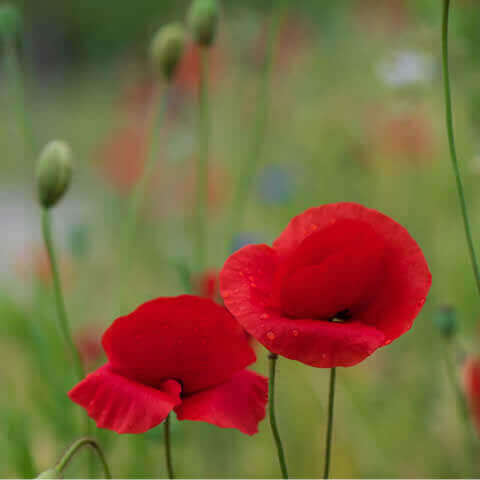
(57, 471)
(249, 167)
(201, 204)
(451, 143)
(168, 449)
(273, 421)
(328, 441)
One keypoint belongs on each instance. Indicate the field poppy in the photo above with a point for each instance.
(341, 281)
(471, 384)
(184, 353)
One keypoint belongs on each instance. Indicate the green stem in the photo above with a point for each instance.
(138, 194)
(17, 89)
(61, 310)
(249, 166)
(273, 422)
(59, 298)
(451, 142)
(168, 448)
(462, 408)
(201, 203)
(75, 447)
(328, 441)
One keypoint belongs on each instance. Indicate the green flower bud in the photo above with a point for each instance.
(54, 172)
(10, 20)
(445, 320)
(50, 473)
(167, 49)
(203, 21)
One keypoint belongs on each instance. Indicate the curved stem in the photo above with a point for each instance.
(138, 195)
(249, 166)
(59, 299)
(328, 441)
(168, 448)
(75, 447)
(201, 203)
(273, 421)
(462, 408)
(451, 142)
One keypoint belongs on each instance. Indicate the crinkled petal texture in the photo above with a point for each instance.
(123, 405)
(238, 403)
(186, 338)
(341, 281)
(471, 383)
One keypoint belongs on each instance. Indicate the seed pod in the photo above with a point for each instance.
(446, 321)
(54, 173)
(203, 21)
(10, 20)
(167, 49)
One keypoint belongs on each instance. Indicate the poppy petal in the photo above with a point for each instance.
(245, 283)
(123, 405)
(188, 338)
(238, 403)
(407, 279)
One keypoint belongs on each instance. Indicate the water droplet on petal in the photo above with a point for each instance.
(264, 316)
(270, 335)
(295, 333)
(253, 285)
(421, 302)
(388, 342)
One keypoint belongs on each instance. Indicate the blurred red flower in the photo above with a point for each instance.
(87, 341)
(206, 285)
(123, 157)
(409, 135)
(471, 384)
(185, 354)
(187, 76)
(341, 281)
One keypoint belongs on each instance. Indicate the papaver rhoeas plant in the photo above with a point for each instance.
(341, 281)
(185, 354)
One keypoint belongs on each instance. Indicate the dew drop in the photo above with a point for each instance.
(251, 278)
(295, 333)
(271, 335)
(253, 285)
(313, 226)
(421, 302)
(388, 342)
(263, 316)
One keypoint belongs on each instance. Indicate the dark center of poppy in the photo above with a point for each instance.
(341, 316)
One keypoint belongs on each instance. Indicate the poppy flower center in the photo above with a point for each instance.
(333, 274)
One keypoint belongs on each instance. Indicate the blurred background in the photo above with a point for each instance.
(356, 114)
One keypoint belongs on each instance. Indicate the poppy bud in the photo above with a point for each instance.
(10, 20)
(167, 48)
(203, 21)
(51, 473)
(446, 321)
(54, 173)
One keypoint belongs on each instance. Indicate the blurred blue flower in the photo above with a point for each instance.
(245, 238)
(275, 185)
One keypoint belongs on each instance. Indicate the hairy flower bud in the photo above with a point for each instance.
(446, 321)
(54, 172)
(10, 20)
(203, 21)
(167, 49)
(51, 473)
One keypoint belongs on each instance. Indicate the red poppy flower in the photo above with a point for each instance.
(471, 383)
(183, 353)
(341, 281)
